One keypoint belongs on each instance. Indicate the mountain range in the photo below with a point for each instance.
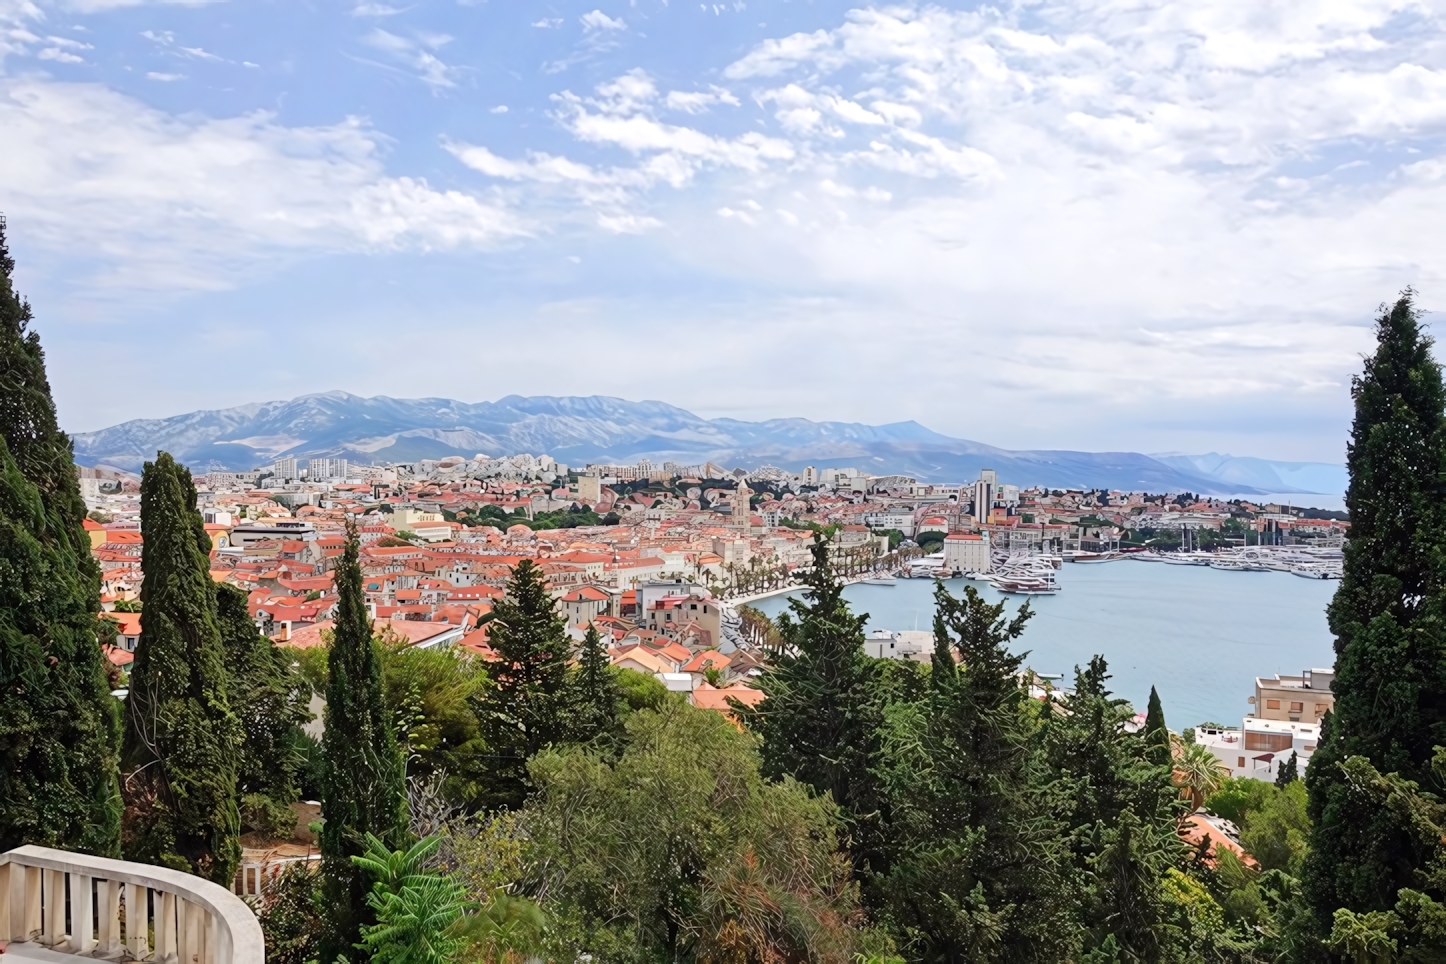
(577, 430)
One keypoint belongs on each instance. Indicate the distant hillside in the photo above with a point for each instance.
(597, 428)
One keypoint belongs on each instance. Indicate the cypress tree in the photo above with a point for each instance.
(977, 869)
(526, 710)
(1289, 771)
(595, 691)
(1156, 734)
(269, 699)
(364, 783)
(59, 725)
(1388, 621)
(181, 738)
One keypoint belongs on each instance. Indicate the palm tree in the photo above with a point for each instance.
(1197, 772)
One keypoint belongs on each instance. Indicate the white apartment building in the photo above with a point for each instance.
(967, 552)
(1260, 747)
(326, 469)
(284, 468)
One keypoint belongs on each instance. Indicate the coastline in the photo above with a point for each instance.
(754, 597)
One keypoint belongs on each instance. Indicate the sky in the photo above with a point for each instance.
(1106, 224)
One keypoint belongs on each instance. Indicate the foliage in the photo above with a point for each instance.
(819, 720)
(1289, 771)
(290, 916)
(758, 630)
(417, 912)
(681, 850)
(181, 737)
(1157, 735)
(1198, 773)
(430, 693)
(59, 728)
(1387, 617)
(1235, 796)
(269, 698)
(526, 709)
(976, 863)
(1277, 832)
(596, 696)
(640, 691)
(363, 785)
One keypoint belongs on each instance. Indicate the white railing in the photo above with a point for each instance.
(116, 910)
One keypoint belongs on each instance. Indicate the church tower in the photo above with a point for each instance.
(741, 510)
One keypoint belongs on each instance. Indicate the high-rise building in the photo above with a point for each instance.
(284, 468)
(984, 491)
(326, 469)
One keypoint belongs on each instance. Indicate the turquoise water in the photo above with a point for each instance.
(1199, 635)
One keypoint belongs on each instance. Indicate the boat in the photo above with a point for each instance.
(1316, 572)
(1186, 559)
(1149, 555)
(880, 581)
(1026, 585)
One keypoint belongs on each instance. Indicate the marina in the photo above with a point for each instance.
(1199, 634)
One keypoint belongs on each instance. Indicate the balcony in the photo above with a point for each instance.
(56, 906)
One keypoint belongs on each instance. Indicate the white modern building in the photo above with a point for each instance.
(966, 552)
(1260, 747)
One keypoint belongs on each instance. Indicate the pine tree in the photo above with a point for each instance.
(1156, 734)
(595, 692)
(1389, 621)
(1289, 771)
(364, 782)
(976, 868)
(181, 738)
(270, 700)
(820, 717)
(59, 725)
(526, 709)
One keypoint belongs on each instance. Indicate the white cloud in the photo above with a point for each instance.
(416, 53)
(698, 102)
(597, 20)
(548, 22)
(499, 109)
(376, 10)
(164, 78)
(186, 201)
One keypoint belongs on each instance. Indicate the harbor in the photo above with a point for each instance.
(1199, 633)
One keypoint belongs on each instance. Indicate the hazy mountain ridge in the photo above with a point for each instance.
(577, 430)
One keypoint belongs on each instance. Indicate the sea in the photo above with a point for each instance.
(1200, 636)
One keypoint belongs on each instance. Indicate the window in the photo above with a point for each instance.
(1273, 742)
(1272, 704)
(1320, 709)
(1309, 748)
(1297, 707)
(1240, 763)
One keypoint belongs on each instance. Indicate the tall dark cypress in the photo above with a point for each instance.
(1389, 621)
(270, 701)
(364, 787)
(819, 719)
(595, 692)
(181, 738)
(526, 709)
(1156, 734)
(59, 725)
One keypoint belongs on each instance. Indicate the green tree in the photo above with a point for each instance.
(430, 694)
(820, 716)
(59, 726)
(417, 910)
(1277, 833)
(976, 871)
(526, 709)
(1289, 771)
(182, 740)
(1156, 734)
(596, 695)
(681, 851)
(270, 701)
(364, 776)
(1388, 620)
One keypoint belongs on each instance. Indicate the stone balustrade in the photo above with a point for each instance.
(54, 903)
